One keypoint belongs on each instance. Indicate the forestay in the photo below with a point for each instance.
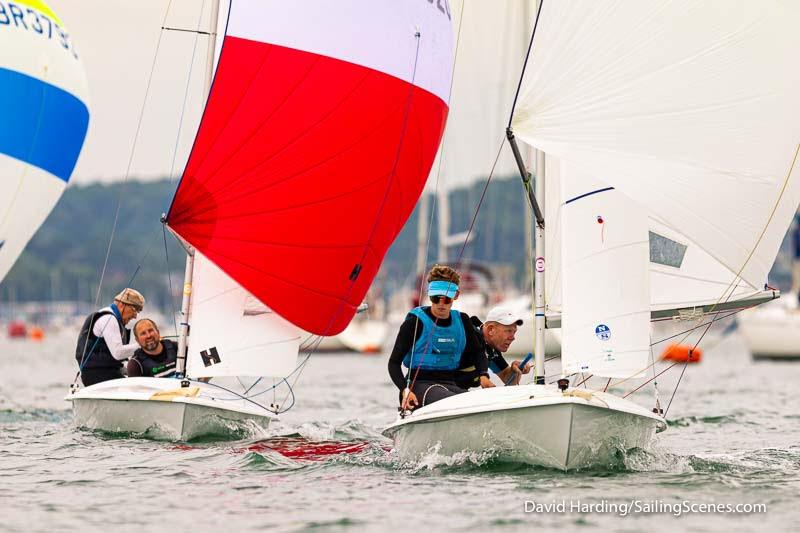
(688, 108)
(45, 119)
(317, 137)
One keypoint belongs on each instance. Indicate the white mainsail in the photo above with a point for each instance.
(233, 334)
(686, 108)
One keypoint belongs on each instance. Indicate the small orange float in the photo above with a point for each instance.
(36, 333)
(682, 353)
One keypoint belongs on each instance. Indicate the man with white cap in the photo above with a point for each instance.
(433, 343)
(105, 342)
(496, 335)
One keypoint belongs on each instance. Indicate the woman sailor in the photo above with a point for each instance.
(433, 343)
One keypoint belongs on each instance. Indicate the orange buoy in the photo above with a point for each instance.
(36, 333)
(682, 353)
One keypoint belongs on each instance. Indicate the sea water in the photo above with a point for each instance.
(729, 461)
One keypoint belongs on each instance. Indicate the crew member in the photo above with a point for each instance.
(495, 336)
(433, 343)
(104, 342)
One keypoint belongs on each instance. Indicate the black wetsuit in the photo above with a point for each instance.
(432, 385)
(154, 366)
(470, 376)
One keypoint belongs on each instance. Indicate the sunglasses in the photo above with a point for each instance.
(437, 299)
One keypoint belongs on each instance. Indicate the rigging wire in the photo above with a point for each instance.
(732, 286)
(130, 158)
(409, 381)
(525, 64)
(169, 276)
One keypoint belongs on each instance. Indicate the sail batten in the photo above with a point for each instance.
(314, 146)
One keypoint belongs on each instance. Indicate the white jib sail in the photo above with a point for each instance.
(606, 286)
(233, 334)
(686, 107)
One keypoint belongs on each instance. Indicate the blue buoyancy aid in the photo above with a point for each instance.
(438, 348)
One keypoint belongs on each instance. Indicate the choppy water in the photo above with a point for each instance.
(734, 437)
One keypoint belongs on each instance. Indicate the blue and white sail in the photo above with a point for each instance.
(45, 118)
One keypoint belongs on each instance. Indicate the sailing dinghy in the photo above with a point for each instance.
(684, 113)
(317, 136)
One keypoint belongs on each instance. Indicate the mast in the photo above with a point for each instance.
(180, 370)
(538, 281)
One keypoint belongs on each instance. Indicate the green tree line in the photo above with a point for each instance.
(64, 260)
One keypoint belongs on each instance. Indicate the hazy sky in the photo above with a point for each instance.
(117, 40)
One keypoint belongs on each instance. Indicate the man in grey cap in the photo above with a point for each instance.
(496, 335)
(105, 342)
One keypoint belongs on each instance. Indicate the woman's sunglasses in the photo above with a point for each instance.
(437, 299)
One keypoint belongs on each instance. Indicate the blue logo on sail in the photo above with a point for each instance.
(603, 332)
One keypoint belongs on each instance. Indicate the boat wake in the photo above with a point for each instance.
(12, 416)
(686, 421)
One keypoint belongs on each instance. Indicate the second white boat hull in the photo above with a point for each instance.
(545, 429)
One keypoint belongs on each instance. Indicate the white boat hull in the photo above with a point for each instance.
(772, 331)
(528, 424)
(145, 406)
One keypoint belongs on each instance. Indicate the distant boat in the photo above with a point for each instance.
(316, 140)
(45, 119)
(675, 112)
(17, 330)
(772, 331)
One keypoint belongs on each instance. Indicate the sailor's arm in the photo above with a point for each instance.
(106, 327)
(403, 343)
(134, 368)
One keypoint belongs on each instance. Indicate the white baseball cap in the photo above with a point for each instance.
(504, 315)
